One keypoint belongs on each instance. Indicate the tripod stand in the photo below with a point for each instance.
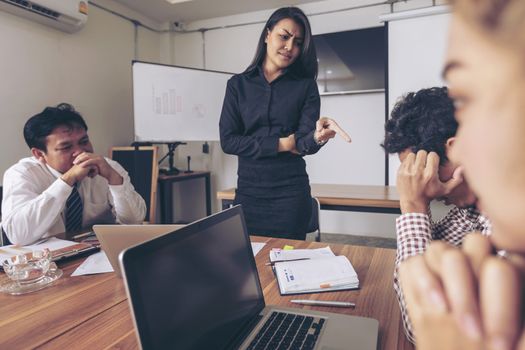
(172, 170)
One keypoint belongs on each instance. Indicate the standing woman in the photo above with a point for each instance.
(270, 120)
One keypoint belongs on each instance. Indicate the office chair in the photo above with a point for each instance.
(314, 224)
(3, 237)
(142, 167)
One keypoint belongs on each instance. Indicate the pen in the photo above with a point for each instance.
(323, 303)
(43, 240)
(84, 235)
(276, 261)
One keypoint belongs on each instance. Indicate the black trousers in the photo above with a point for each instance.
(282, 217)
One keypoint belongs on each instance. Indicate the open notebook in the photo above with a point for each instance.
(312, 271)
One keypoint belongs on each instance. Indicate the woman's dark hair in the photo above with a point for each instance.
(39, 126)
(422, 120)
(306, 63)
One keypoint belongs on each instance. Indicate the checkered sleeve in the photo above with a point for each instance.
(415, 231)
(484, 225)
(413, 235)
(453, 227)
(458, 223)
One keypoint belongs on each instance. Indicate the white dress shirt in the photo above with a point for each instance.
(35, 197)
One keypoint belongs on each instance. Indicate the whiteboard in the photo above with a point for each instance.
(416, 52)
(173, 103)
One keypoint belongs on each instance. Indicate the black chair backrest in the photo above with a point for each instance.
(313, 224)
(141, 165)
(3, 237)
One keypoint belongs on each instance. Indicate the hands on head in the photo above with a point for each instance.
(418, 181)
(91, 165)
(463, 299)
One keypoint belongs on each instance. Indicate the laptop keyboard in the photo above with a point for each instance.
(288, 331)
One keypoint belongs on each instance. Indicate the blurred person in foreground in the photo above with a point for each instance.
(471, 298)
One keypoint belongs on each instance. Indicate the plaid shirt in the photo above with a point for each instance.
(415, 231)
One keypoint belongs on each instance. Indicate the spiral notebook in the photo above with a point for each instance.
(314, 275)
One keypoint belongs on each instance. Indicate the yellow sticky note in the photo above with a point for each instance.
(288, 247)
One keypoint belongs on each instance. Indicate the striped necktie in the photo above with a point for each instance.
(74, 209)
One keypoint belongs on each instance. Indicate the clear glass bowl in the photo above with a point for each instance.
(29, 272)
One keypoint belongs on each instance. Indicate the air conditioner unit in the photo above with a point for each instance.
(66, 15)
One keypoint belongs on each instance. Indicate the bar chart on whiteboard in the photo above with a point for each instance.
(172, 103)
(166, 101)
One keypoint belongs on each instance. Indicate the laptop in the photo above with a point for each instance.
(198, 288)
(115, 238)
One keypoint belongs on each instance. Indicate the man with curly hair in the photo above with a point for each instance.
(421, 130)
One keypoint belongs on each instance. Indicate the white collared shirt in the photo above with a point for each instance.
(34, 198)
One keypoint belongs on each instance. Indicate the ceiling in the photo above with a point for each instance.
(162, 11)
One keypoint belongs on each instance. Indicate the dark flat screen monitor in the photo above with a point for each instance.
(351, 61)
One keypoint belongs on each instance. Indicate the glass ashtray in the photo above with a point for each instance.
(29, 272)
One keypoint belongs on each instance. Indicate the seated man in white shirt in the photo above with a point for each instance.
(421, 130)
(64, 186)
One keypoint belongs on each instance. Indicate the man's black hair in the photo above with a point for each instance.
(39, 126)
(422, 120)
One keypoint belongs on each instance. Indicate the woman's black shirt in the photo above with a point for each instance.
(272, 186)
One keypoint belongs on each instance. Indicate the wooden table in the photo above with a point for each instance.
(370, 199)
(92, 312)
(166, 192)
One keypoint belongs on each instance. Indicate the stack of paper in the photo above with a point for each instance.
(52, 244)
(312, 270)
(59, 248)
(300, 254)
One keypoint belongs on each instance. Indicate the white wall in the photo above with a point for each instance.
(91, 69)
(41, 66)
(362, 162)
(411, 68)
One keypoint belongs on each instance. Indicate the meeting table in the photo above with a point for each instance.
(92, 312)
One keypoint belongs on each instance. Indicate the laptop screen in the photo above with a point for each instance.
(194, 288)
